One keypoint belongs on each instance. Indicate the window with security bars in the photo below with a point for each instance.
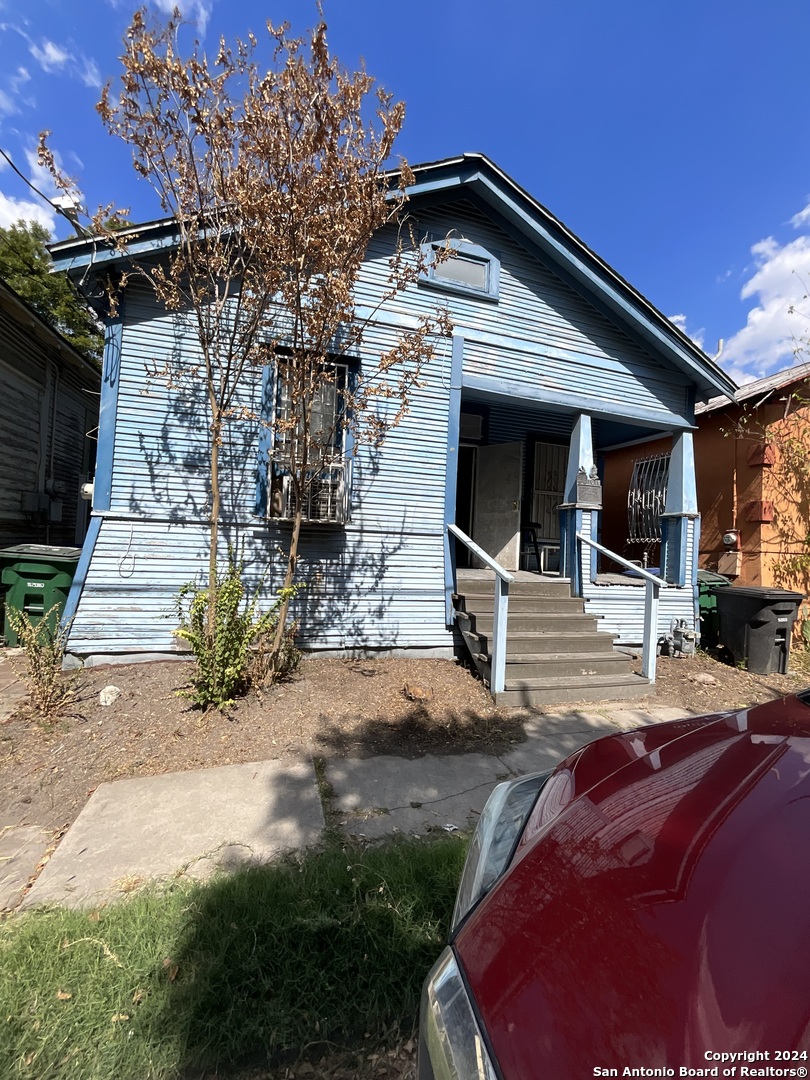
(647, 498)
(324, 493)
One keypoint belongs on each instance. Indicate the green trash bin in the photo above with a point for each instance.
(707, 581)
(37, 578)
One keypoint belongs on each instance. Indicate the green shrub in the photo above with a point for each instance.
(237, 653)
(53, 692)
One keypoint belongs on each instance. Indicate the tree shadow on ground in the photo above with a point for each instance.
(421, 730)
(282, 961)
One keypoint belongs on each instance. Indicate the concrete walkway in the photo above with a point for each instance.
(200, 822)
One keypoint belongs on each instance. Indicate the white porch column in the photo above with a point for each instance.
(580, 455)
(583, 495)
(677, 539)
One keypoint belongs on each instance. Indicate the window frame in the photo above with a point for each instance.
(272, 483)
(467, 249)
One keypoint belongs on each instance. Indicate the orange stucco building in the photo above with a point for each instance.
(752, 464)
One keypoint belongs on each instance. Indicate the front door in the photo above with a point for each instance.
(496, 512)
(548, 487)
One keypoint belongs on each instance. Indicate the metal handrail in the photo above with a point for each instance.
(652, 587)
(503, 579)
(624, 562)
(504, 575)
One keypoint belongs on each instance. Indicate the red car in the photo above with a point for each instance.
(643, 910)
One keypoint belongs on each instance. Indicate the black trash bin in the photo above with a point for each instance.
(756, 625)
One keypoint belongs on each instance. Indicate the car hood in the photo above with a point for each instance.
(658, 906)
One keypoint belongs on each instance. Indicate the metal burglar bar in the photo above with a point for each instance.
(325, 495)
(647, 498)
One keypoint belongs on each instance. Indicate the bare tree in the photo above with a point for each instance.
(276, 182)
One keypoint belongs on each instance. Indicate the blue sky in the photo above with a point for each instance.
(670, 135)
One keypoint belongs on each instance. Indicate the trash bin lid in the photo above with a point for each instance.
(46, 552)
(709, 577)
(767, 595)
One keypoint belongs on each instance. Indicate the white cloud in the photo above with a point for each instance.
(779, 322)
(196, 11)
(12, 210)
(7, 104)
(50, 56)
(88, 72)
(698, 336)
(802, 218)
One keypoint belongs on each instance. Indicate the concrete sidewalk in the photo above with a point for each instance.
(196, 823)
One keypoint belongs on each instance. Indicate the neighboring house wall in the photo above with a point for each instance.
(50, 402)
(761, 493)
(765, 454)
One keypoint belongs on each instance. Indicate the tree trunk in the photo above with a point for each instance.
(213, 547)
(289, 581)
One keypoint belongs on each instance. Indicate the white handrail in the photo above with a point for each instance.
(503, 579)
(624, 562)
(504, 575)
(652, 587)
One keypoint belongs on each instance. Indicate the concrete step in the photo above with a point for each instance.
(528, 646)
(536, 587)
(554, 691)
(532, 623)
(565, 664)
(485, 605)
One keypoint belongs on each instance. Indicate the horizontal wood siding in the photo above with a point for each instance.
(541, 333)
(364, 588)
(42, 396)
(513, 423)
(620, 608)
(377, 582)
(20, 460)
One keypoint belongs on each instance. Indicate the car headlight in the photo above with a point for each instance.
(451, 1046)
(494, 840)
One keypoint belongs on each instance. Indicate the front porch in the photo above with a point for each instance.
(533, 509)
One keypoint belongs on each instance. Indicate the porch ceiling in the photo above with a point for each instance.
(606, 433)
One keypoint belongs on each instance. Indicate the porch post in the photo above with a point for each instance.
(451, 474)
(583, 495)
(677, 539)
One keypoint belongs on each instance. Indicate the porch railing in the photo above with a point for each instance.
(503, 579)
(652, 588)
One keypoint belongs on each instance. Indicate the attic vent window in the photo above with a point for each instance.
(468, 270)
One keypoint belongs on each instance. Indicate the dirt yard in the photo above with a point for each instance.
(330, 708)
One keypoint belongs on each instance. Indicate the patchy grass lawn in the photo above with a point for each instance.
(255, 969)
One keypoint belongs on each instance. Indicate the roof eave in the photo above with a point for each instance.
(47, 335)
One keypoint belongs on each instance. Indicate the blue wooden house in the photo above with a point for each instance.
(489, 489)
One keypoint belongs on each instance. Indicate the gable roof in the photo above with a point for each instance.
(528, 219)
(575, 262)
(761, 388)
